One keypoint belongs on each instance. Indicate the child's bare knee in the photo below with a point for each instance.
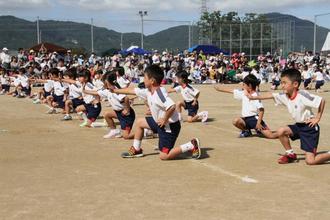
(236, 121)
(310, 161)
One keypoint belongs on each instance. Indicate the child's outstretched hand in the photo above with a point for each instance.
(312, 122)
(161, 122)
(125, 112)
(259, 127)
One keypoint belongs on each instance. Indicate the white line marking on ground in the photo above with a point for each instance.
(245, 179)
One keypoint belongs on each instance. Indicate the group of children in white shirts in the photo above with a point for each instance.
(81, 94)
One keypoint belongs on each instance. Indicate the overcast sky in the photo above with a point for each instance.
(122, 15)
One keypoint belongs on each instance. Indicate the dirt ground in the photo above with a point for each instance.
(51, 169)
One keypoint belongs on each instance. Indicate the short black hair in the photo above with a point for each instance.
(293, 74)
(155, 72)
(111, 77)
(120, 70)
(86, 74)
(184, 76)
(251, 80)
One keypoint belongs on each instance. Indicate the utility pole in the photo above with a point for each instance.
(142, 14)
(38, 31)
(121, 41)
(92, 35)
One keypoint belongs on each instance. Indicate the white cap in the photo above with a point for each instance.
(5, 48)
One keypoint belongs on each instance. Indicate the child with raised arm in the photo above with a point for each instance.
(299, 104)
(252, 111)
(190, 99)
(75, 93)
(164, 120)
(121, 109)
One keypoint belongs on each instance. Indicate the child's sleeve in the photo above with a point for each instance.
(310, 100)
(279, 98)
(142, 93)
(238, 94)
(164, 100)
(194, 91)
(103, 93)
(177, 89)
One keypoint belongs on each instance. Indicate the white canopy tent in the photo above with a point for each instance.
(326, 45)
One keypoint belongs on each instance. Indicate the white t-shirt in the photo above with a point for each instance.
(301, 106)
(98, 84)
(24, 80)
(17, 81)
(49, 85)
(188, 92)
(249, 107)
(123, 83)
(115, 100)
(75, 90)
(4, 80)
(88, 99)
(319, 76)
(158, 102)
(59, 88)
(306, 74)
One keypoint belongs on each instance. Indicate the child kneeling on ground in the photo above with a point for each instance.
(299, 104)
(164, 120)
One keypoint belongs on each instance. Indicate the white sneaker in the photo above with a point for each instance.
(148, 133)
(112, 133)
(51, 111)
(205, 116)
(37, 101)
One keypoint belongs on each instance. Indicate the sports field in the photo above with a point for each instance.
(51, 169)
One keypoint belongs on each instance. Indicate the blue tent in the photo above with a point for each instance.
(207, 49)
(138, 51)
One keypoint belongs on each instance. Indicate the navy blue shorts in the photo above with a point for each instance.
(167, 138)
(126, 121)
(307, 82)
(76, 102)
(192, 109)
(5, 87)
(27, 91)
(276, 82)
(251, 122)
(46, 94)
(93, 111)
(318, 84)
(59, 100)
(309, 136)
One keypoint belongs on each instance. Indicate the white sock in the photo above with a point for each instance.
(186, 147)
(289, 151)
(328, 152)
(200, 114)
(137, 144)
(84, 116)
(179, 116)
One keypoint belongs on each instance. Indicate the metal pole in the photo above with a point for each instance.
(121, 41)
(38, 31)
(92, 35)
(189, 35)
(314, 42)
(142, 31)
(230, 40)
(271, 38)
(240, 38)
(220, 38)
(261, 46)
(251, 41)
(211, 33)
